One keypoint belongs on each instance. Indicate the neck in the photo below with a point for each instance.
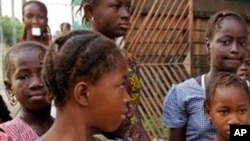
(218, 138)
(211, 73)
(33, 116)
(39, 120)
(108, 36)
(76, 129)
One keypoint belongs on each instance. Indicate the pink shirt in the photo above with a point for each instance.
(17, 130)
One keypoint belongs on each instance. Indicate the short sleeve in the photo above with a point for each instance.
(174, 110)
(4, 137)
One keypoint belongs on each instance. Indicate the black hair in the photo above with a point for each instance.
(81, 54)
(8, 64)
(4, 112)
(223, 79)
(46, 32)
(215, 19)
(26, 45)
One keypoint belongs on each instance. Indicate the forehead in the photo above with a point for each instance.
(26, 56)
(34, 7)
(233, 26)
(230, 94)
(111, 1)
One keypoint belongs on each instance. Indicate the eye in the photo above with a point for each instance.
(225, 42)
(41, 16)
(115, 6)
(223, 112)
(28, 16)
(128, 7)
(243, 43)
(122, 85)
(242, 111)
(22, 77)
(247, 63)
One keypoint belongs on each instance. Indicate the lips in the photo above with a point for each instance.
(124, 26)
(37, 95)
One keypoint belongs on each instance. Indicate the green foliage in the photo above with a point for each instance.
(154, 126)
(7, 29)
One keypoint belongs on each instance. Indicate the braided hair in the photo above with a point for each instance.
(81, 54)
(214, 21)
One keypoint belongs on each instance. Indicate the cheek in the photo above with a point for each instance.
(27, 22)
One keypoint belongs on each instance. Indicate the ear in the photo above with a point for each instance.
(9, 93)
(88, 11)
(81, 94)
(8, 86)
(208, 45)
(207, 111)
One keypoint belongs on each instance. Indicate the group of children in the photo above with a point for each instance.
(221, 93)
(88, 78)
(83, 72)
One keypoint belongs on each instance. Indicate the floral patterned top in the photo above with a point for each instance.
(133, 76)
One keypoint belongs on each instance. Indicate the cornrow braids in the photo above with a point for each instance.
(214, 21)
(81, 54)
(27, 45)
(223, 79)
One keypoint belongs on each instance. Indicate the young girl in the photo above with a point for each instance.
(35, 22)
(111, 19)
(227, 102)
(226, 41)
(85, 74)
(23, 64)
(244, 70)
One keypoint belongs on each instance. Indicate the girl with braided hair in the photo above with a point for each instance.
(85, 74)
(183, 111)
(111, 19)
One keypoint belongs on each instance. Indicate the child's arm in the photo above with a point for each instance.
(174, 115)
(177, 134)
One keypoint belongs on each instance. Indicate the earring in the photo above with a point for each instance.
(92, 18)
(11, 98)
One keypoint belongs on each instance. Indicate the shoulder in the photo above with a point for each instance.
(4, 136)
(184, 92)
(17, 129)
(185, 86)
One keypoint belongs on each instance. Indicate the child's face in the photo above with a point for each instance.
(25, 79)
(228, 45)
(112, 17)
(244, 70)
(229, 105)
(34, 16)
(110, 98)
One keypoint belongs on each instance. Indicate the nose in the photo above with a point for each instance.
(34, 20)
(125, 14)
(36, 82)
(126, 98)
(234, 48)
(234, 119)
(243, 67)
